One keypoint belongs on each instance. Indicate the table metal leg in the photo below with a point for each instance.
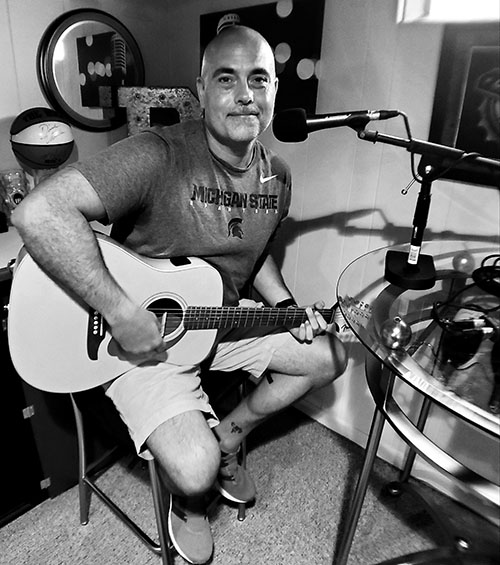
(410, 458)
(347, 535)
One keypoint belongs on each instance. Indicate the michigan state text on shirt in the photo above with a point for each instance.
(218, 197)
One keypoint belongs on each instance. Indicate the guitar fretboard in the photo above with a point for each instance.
(219, 317)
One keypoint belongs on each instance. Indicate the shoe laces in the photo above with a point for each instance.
(185, 508)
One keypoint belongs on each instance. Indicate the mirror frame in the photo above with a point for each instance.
(47, 78)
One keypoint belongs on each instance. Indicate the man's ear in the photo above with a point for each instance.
(200, 89)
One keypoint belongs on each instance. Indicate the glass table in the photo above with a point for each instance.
(444, 343)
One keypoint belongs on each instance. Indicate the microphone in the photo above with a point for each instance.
(294, 125)
(119, 57)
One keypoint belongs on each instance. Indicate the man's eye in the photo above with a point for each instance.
(226, 80)
(260, 81)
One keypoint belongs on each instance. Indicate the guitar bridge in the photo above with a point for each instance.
(96, 330)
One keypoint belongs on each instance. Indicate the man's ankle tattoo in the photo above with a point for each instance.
(235, 429)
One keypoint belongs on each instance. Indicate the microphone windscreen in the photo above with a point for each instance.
(290, 125)
(119, 55)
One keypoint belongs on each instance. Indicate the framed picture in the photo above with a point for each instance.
(466, 112)
(294, 31)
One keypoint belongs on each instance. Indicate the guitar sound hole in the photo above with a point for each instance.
(169, 313)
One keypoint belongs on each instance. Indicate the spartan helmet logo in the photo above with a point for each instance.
(488, 87)
(234, 228)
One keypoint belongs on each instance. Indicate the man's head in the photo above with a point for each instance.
(237, 88)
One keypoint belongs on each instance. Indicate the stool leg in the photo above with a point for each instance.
(160, 514)
(243, 461)
(242, 391)
(84, 492)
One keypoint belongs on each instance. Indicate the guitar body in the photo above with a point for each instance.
(58, 344)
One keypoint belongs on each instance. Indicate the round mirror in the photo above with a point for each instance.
(82, 58)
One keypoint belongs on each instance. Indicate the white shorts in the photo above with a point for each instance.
(151, 394)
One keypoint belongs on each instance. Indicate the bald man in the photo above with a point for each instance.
(206, 188)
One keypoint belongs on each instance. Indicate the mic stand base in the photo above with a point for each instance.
(399, 272)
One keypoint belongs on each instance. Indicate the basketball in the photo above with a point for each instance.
(41, 139)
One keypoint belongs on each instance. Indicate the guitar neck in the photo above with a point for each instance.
(219, 317)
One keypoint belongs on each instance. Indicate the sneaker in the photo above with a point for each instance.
(189, 530)
(234, 482)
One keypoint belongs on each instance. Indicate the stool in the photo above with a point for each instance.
(95, 403)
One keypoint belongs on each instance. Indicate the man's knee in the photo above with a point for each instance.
(331, 360)
(188, 453)
(198, 470)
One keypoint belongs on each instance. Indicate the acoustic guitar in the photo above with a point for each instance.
(58, 344)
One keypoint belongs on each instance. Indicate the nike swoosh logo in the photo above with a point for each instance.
(264, 179)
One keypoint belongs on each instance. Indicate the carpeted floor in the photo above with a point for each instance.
(305, 475)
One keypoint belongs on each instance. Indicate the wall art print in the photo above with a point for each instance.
(294, 31)
(466, 112)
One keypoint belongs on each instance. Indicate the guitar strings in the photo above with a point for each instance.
(232, 311)
(221, 314)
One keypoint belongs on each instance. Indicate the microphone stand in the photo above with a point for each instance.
(414, 270)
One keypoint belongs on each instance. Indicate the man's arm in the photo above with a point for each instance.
(269, 283)
(53, 222)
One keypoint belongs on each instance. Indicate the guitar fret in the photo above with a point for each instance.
(217, 317)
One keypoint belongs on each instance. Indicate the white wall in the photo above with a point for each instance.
(22, 24)
(369, 62)
(347, 193)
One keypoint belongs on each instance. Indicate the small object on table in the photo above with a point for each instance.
(464, 262)
(395, 333)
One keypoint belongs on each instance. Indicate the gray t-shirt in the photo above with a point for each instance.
(167, 195)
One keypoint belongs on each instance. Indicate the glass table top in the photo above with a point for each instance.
(444, 340)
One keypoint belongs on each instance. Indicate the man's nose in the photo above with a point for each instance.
(244, 94)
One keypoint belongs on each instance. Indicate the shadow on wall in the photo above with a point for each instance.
(342, 223)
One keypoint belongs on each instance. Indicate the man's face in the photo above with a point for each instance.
(237, 90)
